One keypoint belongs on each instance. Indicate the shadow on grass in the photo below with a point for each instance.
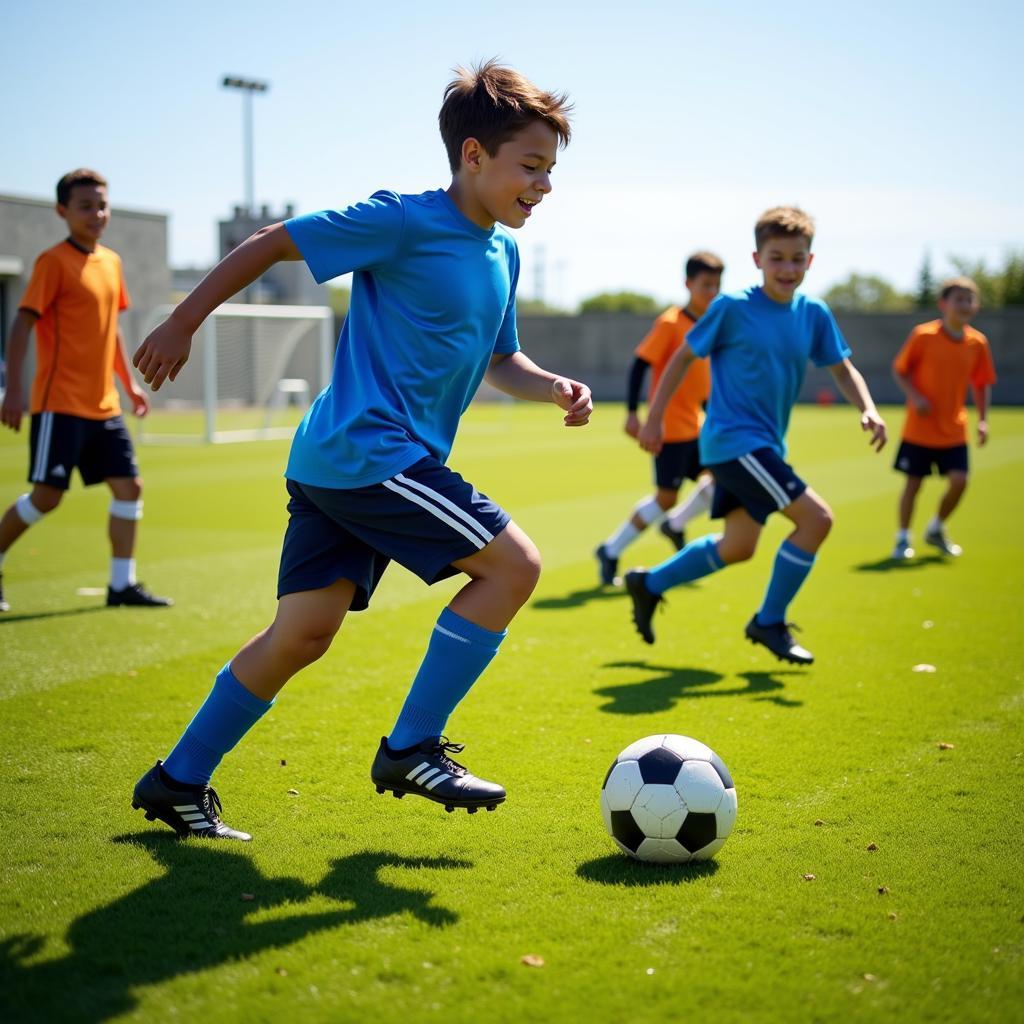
(662, 691)
(194, 917)
(578, 598)
(618, 869)
(8, 620)
(901, 564)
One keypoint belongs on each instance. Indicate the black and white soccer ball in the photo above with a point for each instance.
(668, 799)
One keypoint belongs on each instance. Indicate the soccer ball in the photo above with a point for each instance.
(668, 799)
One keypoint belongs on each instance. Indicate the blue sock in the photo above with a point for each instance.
(699, 558)
(788, 574)
(457, 654)
(224, 718)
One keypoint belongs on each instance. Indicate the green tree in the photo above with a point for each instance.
(538, 307)
(867, 293)
(620, 302)
(1000, 287)
(925, 296)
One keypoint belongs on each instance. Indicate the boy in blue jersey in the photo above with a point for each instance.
(432, 314)
(759, 342)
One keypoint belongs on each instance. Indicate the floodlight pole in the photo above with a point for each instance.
(248, 87)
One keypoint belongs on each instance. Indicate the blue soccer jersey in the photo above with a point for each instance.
(759, 351)
(433, 299)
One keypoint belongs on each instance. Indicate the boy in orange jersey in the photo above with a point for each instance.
(678, 458)
(934, 368)
(73, 299)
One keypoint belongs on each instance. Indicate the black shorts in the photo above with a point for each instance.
(918, 459)
(59, 443)
(677, 461)
(760, 481)
(425, 518)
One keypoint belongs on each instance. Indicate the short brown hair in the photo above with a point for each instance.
(79, 176)
(703, 262)
(783, 222)
(491, 103)
(954, 283)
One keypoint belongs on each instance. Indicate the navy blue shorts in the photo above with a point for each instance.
(918, 459)
(760, 481)
(425, 518)
(59, 443)
(677, 461)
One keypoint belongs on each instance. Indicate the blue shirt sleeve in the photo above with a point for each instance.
(360, 237)
(704, 334)
(828, 346)
(507, 341)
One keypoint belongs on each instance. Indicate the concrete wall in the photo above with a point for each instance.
(28, 226)
(598, 349)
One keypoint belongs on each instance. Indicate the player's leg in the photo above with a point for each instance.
(794, 560)
(903, 548)
(122, 527)
(696, 503)
(26, 511)
(953, 464)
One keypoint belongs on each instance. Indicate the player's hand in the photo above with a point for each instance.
(982, 433)
(650, 436)
(873, 424)
(13, 409)
(574, 398)
(632, 426)
(140, 403)
(162, 355)
(922, 405)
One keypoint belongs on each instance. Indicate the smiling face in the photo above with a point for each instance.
(784, 260)
(505, 187)
(958, 308)
(87, 214)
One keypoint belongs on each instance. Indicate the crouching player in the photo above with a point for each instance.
(432, 313)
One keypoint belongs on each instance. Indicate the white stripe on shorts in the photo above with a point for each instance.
(446, 503)
(435, 511)
(42, 447)
(766, 480)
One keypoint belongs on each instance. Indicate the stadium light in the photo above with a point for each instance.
(248, 87)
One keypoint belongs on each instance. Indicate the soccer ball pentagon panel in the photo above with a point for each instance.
(668, 799)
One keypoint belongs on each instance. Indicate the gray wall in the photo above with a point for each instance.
(28, 226)
(598, 349)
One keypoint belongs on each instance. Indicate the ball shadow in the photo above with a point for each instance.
(618, 869)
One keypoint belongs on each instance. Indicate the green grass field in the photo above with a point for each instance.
(351, 906)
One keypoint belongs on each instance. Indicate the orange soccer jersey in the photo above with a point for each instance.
(77, 296)
(942, 367)
(684, 414)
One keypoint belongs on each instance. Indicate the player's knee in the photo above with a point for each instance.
(304, 647)
(31, 508)
(666, 499)
(522, 573)
(736, 549)
(958, 482)
(824, 521)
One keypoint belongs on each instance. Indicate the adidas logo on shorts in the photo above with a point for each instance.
(58, 471)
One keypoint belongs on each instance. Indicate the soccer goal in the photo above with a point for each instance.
(252, 373)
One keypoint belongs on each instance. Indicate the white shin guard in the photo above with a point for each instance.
(27, 512)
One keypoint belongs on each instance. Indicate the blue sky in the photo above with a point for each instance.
(897, 125)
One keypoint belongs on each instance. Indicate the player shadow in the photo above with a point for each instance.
(618, 869)
(901, 564)
(661, 692)
(194, 917)
(578, 598)
(8, 619)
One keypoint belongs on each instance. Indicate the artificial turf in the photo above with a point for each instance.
(874, 871)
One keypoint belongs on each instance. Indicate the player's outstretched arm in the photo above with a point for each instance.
(519, 376)
(675, 370)
(122, 367)
(166, 350)
(855, 390)
(17, 345)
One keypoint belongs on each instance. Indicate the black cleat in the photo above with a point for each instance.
(136, 596)
(644, 603)
(190, 812)
(676, 537)
(607, 566)
(938, 539)
(4, 606)
(778, 639)
(428, 771)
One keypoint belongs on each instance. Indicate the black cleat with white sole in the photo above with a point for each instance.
(607, 566)
(190, 811)
(428, 771)
(135, 595)
(779, 640)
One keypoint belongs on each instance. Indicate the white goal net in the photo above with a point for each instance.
(252, 373)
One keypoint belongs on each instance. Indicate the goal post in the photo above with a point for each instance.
(252, 369)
